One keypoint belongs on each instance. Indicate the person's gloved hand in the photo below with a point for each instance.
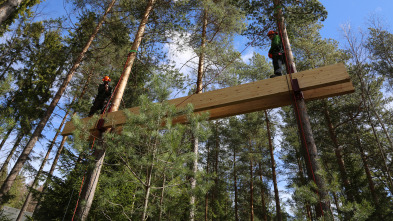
(270, 55)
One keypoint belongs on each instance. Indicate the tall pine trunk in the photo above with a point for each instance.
(207, 193)
(40, 127)
(339, 155)
(162, 198)
(264, 212)
(366, 168)
(303, 182)
(35, 182)
(251, 191)
(88, 190)
(6, 137)
(195, 143)
(273, 164)
(235, 186)
(16, 145)
(380, 148)
(7, 8)
(307, 138)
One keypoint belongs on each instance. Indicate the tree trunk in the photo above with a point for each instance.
(198, 91)
(162, 197)
(262, 194)
(336, 202)
(147, 192)
(40, 127)
(16, 144)
(2, 76)
(193, 178)
(207, 193)
(7, 8)
(303, 181)
(235, 185)
(273, 163)
(35, 182)
(339, 155)
(6, 137)
(33, 185)
(389, 177)
(366, 168)
(251, 192)
(50, 174)
(304, 125)
(216, 176)
(83, 210)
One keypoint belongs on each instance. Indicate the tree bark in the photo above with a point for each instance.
(339, 155)
(303, 182)
(7, 8)
(16, 144)
(50, 174)
(88, 189)
(304, 125)
(273, 164)
(147, 192)
(235, 185)
(389, 177)
(366, 168)
(6, 137)
(262, 194)
(162, 197)
(40, 127)
(33, 185)
(35, 182)
(207, 193)
(195, 144)
(251, 192)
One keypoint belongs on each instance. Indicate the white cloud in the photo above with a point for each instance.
(181, 54)
(247, 55)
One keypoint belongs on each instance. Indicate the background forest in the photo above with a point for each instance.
(246, 167)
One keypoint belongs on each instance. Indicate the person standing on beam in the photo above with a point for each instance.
(276, 52)
(103, 95)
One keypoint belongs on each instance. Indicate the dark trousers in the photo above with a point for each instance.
(278, 61)
(98, 105)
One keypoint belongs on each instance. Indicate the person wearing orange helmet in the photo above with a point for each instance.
(276, 53)
(103, 95)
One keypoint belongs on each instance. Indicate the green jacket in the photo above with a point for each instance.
(276, 46)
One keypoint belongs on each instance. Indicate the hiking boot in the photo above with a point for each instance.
(276, 75)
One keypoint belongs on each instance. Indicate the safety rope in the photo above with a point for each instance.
(290, 69)
(101, 117)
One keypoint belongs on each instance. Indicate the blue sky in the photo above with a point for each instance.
(355, 12)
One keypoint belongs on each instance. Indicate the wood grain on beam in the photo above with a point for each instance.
(264, 94)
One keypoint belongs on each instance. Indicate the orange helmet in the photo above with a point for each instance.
(106, 78)
(271, 32)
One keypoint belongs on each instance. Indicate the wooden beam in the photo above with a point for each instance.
(317, 83)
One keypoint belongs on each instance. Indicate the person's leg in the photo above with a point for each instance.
(278, 66)
(275, 64)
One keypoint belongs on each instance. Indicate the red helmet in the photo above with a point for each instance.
(271, 32)
(106, 78)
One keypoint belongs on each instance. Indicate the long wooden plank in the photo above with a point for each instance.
(269, 93)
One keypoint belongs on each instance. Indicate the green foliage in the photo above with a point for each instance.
(18, 192)
(379, 43)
